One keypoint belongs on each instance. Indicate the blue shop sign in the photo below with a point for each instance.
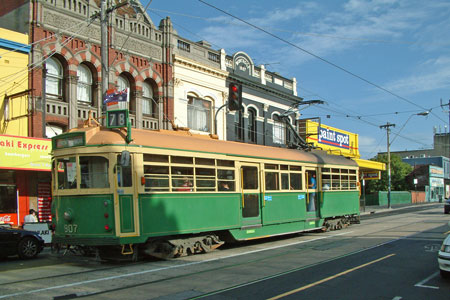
(333, 138)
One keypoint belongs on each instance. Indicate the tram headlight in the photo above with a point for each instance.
(68, 215)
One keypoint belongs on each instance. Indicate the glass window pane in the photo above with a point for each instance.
(182, 160)
(271, 181)
(67, 173)
(250, 178)
(284, 181)
(94, 173)
(8, 199)
(296, 181)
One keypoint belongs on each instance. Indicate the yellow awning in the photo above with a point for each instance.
(370, 164)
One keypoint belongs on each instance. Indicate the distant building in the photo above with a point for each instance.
(441, 147)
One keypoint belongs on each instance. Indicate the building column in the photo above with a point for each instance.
(72, 101)
(138, 102)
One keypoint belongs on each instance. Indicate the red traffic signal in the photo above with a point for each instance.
(234, 96)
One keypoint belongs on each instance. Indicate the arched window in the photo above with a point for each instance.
(199, 114)
(123, 83)
(52, 130)
(54, 80)
(252, 125)
(279, 130)
(147, 99)
(84, 88)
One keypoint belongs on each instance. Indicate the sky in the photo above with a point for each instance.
(372, 62)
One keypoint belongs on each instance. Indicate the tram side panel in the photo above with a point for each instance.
(184, 213)
(339, 203)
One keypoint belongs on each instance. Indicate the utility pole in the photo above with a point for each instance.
(388, 130)
(104, 49)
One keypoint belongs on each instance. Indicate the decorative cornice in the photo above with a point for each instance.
(198, 66)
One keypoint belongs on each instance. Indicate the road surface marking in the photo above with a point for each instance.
(165, 268)
(420, 284)
(330, 278)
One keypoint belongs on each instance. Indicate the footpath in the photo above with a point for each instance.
(370, 210)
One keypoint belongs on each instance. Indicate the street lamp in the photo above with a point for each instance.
(388, 130)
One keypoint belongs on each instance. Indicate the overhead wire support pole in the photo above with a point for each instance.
(104, 49)
(388, 130)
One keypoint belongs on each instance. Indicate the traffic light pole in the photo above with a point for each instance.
(215, 117)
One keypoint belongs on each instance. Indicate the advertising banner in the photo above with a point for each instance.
(23, 153)
(330, 139)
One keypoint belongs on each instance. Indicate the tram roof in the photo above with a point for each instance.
(185, 140)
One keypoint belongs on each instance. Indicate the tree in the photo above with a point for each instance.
(399, 171)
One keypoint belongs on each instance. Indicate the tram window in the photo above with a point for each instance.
(225, 163)
(182, 179)
(156, 169)
(225, 174)
(67, 173)
(94, 172)
(250, 178)
(335, 182)
(182, 171)
(326, 170)
(205, 172)
(284, 167)
(326, 182)
(285, 181)
(8, 199)
(296, 181)
(205, 161)
(295, 168)
(205, 179)
(335, 171)
(156, 178)
(270, 167)
(271, 181)
(124, 178)
(181, 160)
(156, 158)
(352, 171)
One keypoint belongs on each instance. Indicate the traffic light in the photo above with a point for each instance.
(234, 96)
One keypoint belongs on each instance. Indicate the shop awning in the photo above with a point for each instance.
(370, 165)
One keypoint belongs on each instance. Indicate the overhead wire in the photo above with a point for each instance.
(291, 31)
(320, 58)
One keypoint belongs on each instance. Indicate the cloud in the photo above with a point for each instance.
(431, 75)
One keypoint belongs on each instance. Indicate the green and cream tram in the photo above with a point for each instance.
(172, 193)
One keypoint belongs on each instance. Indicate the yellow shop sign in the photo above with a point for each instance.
(23, 153)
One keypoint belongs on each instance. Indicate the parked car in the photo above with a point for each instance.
(447, 206)
(26, 244)
(444, 258)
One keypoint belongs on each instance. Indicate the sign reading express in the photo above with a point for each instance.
(333, 138)
(25, 153)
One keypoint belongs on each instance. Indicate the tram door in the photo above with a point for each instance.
(312, 193)
(250, 194)
(125, 195)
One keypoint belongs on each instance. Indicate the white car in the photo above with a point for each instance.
(444, 257)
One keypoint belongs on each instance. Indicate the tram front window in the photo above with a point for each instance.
(94, 172)
(67, 173)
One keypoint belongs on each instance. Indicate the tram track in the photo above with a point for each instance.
(210, 269)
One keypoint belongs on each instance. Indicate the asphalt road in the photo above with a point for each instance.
(400, 269)
(388, 256)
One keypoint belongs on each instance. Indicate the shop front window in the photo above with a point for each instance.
(8, 199)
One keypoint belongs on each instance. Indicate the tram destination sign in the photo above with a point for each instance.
(117, 118)
(68, 140)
